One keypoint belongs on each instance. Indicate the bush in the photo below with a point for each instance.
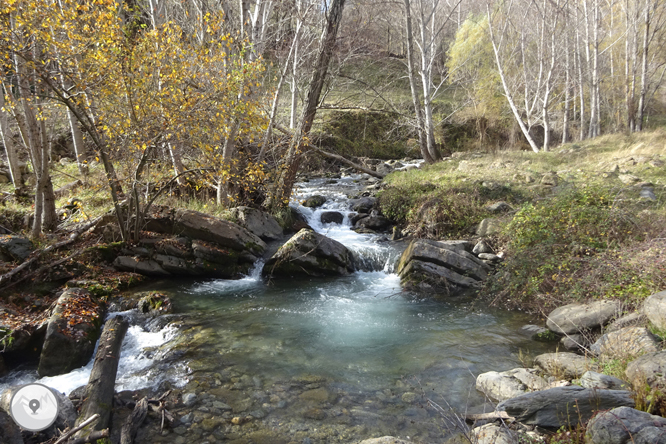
(431, 211)
(574, 246)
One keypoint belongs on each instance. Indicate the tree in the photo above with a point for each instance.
(291, 161)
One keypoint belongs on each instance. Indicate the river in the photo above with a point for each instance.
(316, 360)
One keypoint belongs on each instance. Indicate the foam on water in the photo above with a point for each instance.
(137, 359)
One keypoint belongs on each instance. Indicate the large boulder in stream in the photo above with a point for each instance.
(429, 265)
(563, 406)
(71, 334)
(310, 254)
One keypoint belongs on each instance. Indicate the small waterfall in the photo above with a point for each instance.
(371, 251)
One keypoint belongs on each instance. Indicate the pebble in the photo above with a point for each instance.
(189, 399)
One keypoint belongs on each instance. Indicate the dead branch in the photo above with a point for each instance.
(133, 422)
(5, 278)
(348, 162)
(66, 436)
(93, 437)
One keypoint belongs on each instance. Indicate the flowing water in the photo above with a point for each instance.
(318, 360)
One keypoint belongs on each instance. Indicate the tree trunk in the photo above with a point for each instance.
(507, 92)
(644, 68)
(79, 147)
(10, 148)
(418, 109)
(291, 161)
(100, 389)
(567, 88)
(276, 97)
(581, 82)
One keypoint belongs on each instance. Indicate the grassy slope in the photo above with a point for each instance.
(589, 237)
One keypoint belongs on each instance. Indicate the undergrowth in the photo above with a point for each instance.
(587, 242)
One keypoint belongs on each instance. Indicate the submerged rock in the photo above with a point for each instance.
(328, 217)
(315, 201)
(310, 254)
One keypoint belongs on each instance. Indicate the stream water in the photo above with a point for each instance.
(319, 360)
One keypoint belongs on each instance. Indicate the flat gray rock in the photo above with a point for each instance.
(384, 440)
(649, 368)
(509, 384)
(563, 406)
(635, 319)
(488, 227)
(564, 365)
(137, 265)
(494, 434)
(576, 318)
(654, 308)
(16, 247)
(592, 379)
(624, 425)
(258, 222)
(626, 342)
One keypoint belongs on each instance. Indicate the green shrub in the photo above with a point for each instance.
(574, 246)
(431, 211)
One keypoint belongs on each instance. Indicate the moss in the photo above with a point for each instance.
(546, 336)
(108, 252)
(364, 134)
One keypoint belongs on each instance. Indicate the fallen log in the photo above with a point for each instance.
(348, 162)
(98, 398)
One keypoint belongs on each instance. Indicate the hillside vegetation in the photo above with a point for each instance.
(583, 223)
